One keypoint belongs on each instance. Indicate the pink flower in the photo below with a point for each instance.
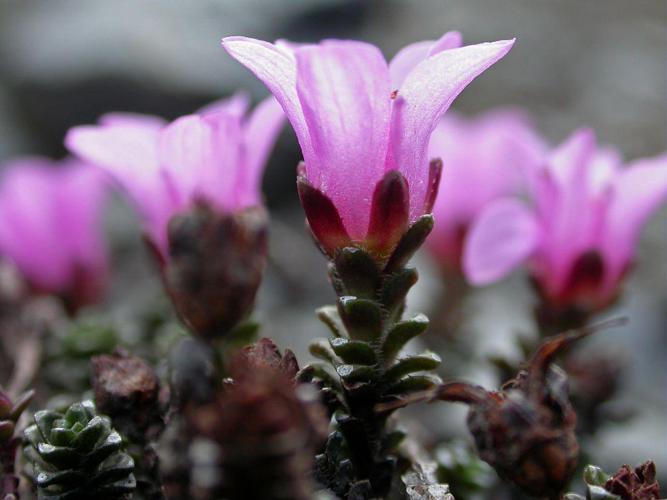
(484, 158)
(364, 126)
(50, 227)
(216, 156)
(581, 231)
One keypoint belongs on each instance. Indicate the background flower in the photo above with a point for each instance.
(216, 156)
(51, 227)
(484, 158)
(582, 229)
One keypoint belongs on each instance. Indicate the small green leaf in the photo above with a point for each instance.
(412, 384)
(362, 318)
(58, 456)
(116, 467)
(358, 272)
(118, 489)
(44, 420)
(402, 333)
(76, 413)
(66, 477)
(354, 352)
(394, 290)
(321, 372)
(320, 349)
(359, 373)
(112, 443)
(32, 435)
(424, 362)
(595, 476)
(330, 317)
(61, 437)
(91, 434)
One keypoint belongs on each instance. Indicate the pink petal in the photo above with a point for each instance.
(275, 65)
(50, 223)
(606, 165)
(569, 162)
(411, 55)
(236, 105)
(638, 191)
(425, 95)
(126, 149)
(116, 118)
(485, 158)
(260, 134)
(503, 236)
(200, 155)
(344, 91)
(570, 208)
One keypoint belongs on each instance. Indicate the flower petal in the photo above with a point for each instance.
(638, 191)
(411, 55)
(260, 134)
(492, 156)
(187, 151)
(275, 65)
(569, 207)
(50, 225)
(236, 105)
(425, 95)
(504, 235)
(344, 91)
(125, 147)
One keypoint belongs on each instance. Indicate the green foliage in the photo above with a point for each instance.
(595, 479)
(362, 364)
(78, 455)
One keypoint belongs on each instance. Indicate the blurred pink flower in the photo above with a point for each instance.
(364, 126)
(581, 232)
(216, 156)
(51, 228)
(484, 158)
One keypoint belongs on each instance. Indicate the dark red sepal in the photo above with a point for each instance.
(323, 217)
(434, 174)
(390, 210)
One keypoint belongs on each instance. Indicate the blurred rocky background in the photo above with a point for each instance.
(576, 62)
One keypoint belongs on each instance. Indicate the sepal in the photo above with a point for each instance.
(323, 218)
(390, 209)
